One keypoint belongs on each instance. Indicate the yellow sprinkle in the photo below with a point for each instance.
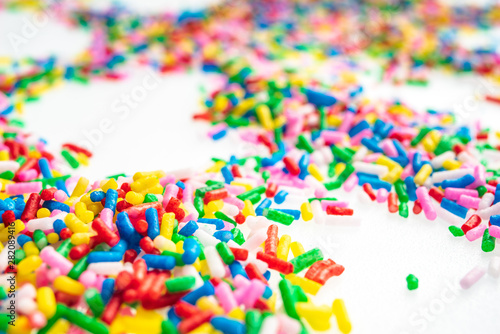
(42, 213)
(75, 224)
(297, 248)
(339, 168)
(167, 225)
(156, 189)
(144, 183)
(237, 313)
(284, 247)
(206, 303)
(80, 238)
(243, 107)
(221, 103)
(206, 328)
(340, 312)
(264, 116)
(451, 164)
(52, 238)
(140, 175)
(110, 184)
(61, 326)
(306, 211)
(216, 167)
(214, 206)
(393, 175)
(81, 187)
(247, 186)
(385, 161)
(248, 210)
(30, 248)
(4, 155)
(29, 264)
(204, 268)
(315, 172)
(82, 158)
(46, 301)
(333, 120)
(306, 284)
(429, 144)
(134, 198)
(317, 316)
(422, 175)
(69, 285)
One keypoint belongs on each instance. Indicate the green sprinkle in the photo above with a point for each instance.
(40, 239)
(178, 284)
(278, 216)
(488, 243)
(7, 175)
(238, 236)
(225, 253)
(412, 282)
(70, 159)
(288, 298)
(306, 260)
(150, 198)
(456, 231)
(94, 301)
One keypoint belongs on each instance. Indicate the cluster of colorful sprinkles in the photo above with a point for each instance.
(201, 251)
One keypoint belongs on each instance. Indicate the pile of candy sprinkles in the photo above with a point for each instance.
(202, 251)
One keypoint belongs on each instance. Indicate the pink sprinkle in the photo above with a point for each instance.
(167, 179)
(187, 194)
(346, 122)
(425, 202)
(225, 296)
(472, 277)
(356, 140)
(235, 190)
(88, 278)
(479, 176)
(23, 188)
(339, 204)
(455, 193)
(27, 175)
(351, 182)
(407, 171)
(254, 292)
(55, 260)
(372, 157)
(170, 191)
(475, 233)
(382, 195)
(389, 148)
(333, 137)
(60, 196)
(37, 319)
(469, 201)
(494, 231)
(107, 217)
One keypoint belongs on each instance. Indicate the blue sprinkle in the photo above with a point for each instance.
(223, 235)
(461, 182)
(280, 197)
(454, 208)
(189, 228)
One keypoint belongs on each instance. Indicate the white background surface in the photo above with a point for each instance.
(378, 255)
